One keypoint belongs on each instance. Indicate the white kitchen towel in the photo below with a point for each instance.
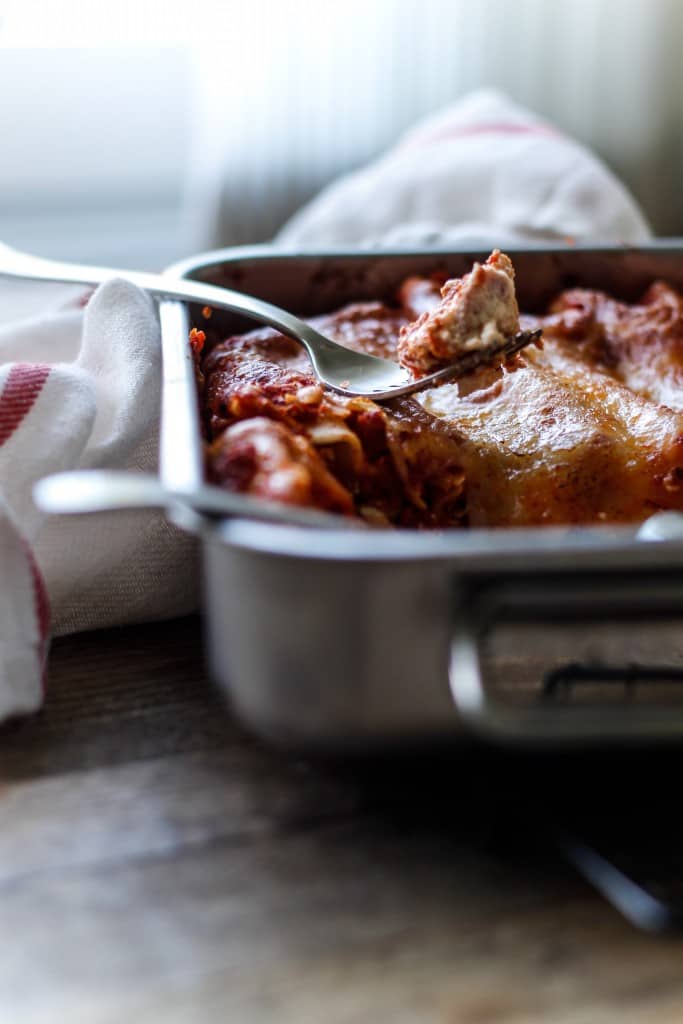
(79, 387)
(482, 171)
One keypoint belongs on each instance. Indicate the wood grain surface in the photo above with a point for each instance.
(159, 865)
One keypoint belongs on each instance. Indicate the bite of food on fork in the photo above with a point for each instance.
(348, 372)
(477, 316)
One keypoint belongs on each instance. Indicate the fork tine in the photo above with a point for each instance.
(472, 361)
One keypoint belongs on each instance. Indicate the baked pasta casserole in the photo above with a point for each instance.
(585, 428)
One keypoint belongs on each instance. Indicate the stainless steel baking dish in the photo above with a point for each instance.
(346, 639)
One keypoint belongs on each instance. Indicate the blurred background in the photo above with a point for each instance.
(136, 133)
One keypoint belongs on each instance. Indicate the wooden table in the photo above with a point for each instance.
(158, 865)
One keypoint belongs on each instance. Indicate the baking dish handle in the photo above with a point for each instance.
(543, 721)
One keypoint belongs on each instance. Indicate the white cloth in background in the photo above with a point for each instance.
(80, 388)
(484, 169)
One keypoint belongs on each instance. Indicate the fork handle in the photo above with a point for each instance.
(35, 268)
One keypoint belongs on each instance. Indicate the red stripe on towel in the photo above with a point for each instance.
(493, 128)
(24, 383)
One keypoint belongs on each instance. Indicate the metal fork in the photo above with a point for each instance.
(345, 371)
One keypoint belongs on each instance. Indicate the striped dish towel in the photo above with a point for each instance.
(79, 388)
